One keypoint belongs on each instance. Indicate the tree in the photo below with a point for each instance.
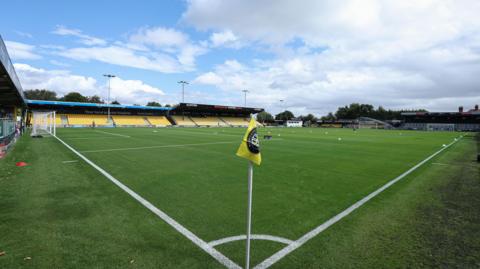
(153, 103)
(284, 116)
(355, 110)
(167, 105)
(265, 117)
(308, 118)
(115, 102)
(42, 94)
(329, 117)
(74, 97)
(95, 99)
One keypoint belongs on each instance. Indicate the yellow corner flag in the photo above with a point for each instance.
(250, 146)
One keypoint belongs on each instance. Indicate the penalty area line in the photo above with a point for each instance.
(170, 221)
(126, 136)
(160, 146)
(306, 237)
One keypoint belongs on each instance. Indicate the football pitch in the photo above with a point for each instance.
(196, 188)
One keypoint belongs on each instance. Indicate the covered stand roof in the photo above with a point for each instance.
(59, 104)
(203, 108)
(11, 92)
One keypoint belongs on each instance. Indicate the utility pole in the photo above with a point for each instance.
(183, 82)
(245, 92)
(109, 76)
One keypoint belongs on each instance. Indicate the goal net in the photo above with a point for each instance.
(43, 123)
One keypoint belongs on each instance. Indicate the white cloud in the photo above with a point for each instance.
(23, 34)
(21, 51)
(136, 91)
(209, 78)
(399, 54)
(158, 49)
(168, 41)
(84, 39)
(337, 22)
(159, 37)
(125, 57)
(62, 81)
(226, 39)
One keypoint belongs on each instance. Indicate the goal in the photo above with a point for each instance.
(43, 123)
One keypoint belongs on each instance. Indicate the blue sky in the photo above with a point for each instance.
(316, 55)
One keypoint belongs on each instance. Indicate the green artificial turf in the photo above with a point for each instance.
(67, 215)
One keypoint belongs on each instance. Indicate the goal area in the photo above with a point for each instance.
(43, 123)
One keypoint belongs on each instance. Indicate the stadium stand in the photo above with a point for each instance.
(12, 102)
(330, 125)
(75, 114)
(58, 120)
(209, 121)
(443, 121)
(234, 121)
(158, 121)
(86, 119)
(123, 120)
(183, 121)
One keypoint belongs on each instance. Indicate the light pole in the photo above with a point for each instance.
(109, 76)
(245, 92)
(281, 106)
(183, 82)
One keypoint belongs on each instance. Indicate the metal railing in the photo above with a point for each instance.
(7, 128)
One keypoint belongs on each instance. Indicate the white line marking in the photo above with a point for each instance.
(177, 226)
(112, 134)
(160, 146)
(253, 236)
(302, 240)
(91, 137)
(443, 164)
(70, 161)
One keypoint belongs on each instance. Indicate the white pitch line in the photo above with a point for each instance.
(70, 161)
(160, 146)
(253, 236)
(302, 240)
(112, 134)
(87, 138)
(177, 226)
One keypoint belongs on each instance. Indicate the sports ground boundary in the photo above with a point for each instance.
(291, 246)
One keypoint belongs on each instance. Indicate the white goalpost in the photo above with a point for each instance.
(43, 122)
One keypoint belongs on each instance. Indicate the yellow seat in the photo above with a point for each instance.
(158, 120)
(86, 119)
(208, 121)
(58, 119)
(183, 121)
(235, 121)
(129, 120)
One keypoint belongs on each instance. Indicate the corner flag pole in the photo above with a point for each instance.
(249, 213)
(250, 150)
